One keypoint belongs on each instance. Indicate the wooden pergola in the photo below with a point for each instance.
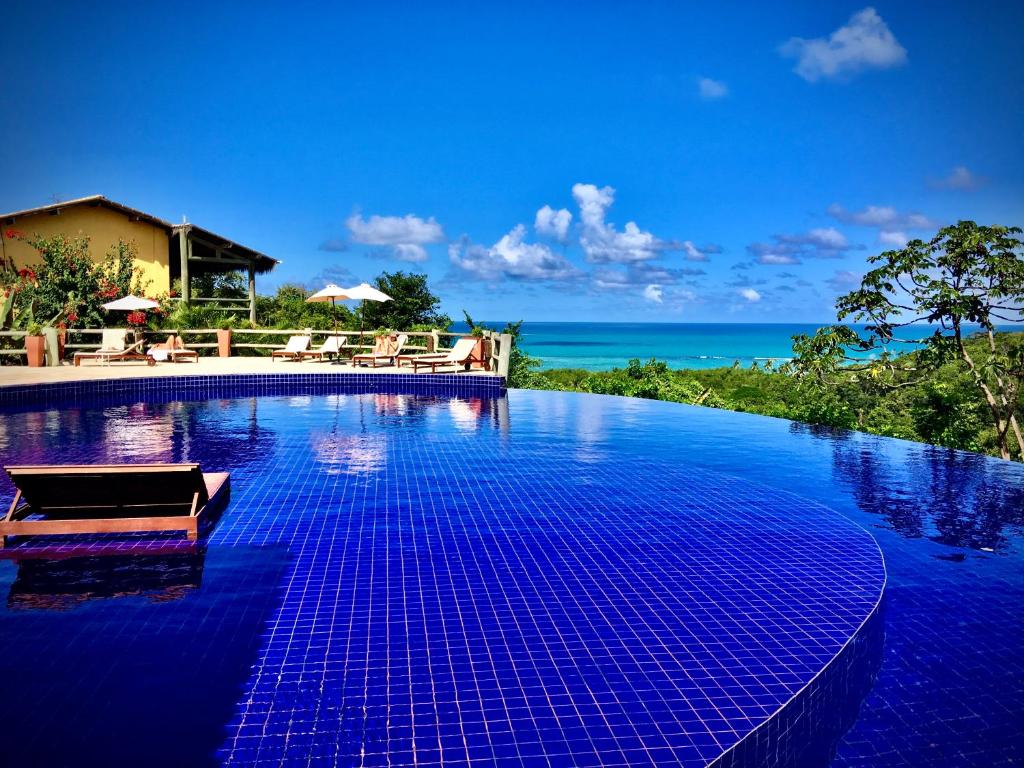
(202, 252)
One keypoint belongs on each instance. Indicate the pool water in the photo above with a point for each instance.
(404, 579)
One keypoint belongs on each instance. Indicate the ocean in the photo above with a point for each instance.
(603, 346)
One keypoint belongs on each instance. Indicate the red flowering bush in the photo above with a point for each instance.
(13, 234)
(70, 280)
(137, 318)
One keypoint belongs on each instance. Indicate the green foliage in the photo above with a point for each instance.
(522, 369)
(412, 303)
(220, 285)
(652, 380)
(288, 308)
(475, 330)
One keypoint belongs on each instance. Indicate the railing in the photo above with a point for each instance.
(18, 349)
(257, 342)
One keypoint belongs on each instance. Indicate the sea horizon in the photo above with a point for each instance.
(602, 346)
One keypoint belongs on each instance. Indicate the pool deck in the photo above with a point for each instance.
(206, 366)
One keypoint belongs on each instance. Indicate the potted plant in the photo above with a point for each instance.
(482, 350)
(224, 338)
(62, 338)
(35, 345)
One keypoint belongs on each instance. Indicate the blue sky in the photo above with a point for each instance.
(731, 162)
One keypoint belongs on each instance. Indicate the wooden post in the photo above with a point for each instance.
(185, 250)
(252, 293)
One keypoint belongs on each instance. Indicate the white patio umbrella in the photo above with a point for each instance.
(331, 293)
(131, 304)
(365, 292)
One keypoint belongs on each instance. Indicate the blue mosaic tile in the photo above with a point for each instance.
(201, 387)
(469, 582)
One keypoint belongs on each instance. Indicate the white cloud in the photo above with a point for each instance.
(866, 42)
(653, 293)
(406, 235)
(881, 216)
(750, 295)
(710, 90)
(394, 230)
(552, 223)
(958, 178)
(511, 257)
(601, 242)
(894, 238)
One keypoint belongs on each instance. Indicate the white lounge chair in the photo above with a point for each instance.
(332, 346)
(292, 350)
(463, 353)
(113, 347)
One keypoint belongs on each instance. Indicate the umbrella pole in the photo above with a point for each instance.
(334, 312)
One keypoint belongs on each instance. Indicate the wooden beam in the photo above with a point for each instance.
(212, 260)
(226, 246)
(252, 293)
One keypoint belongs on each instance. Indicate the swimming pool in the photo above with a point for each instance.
(542, 578)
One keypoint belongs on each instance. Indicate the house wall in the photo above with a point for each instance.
(104, 228)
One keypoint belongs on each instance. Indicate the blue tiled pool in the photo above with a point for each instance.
(537, 579)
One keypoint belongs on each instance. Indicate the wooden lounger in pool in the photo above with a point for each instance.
(126, 498)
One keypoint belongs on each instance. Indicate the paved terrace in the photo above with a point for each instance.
(13, 375)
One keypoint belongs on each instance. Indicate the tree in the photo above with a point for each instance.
(412, 304)
(966, 275)
(288, 308)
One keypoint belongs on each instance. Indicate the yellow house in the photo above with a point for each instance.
(165, 252)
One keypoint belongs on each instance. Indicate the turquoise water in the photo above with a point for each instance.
(603, 346)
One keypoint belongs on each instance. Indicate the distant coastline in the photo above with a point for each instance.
(604, 346)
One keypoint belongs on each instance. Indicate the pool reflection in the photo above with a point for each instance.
(950, 497)
(64, 583)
